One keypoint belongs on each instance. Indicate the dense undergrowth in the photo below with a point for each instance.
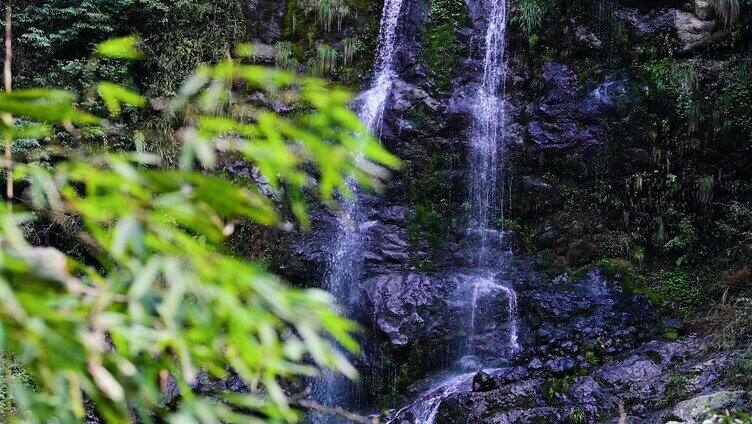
(665, 203)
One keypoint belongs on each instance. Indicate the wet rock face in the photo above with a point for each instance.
(649, 24)
(564, 118)
(648, 382)
(586, 344)
(586, 351)
(410, 307)
(266, 19)
(590, 316)
(689, 27)
(697, 409)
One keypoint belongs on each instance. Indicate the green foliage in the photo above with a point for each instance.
(530, 16)
(577, 416)
(677, 291)
(120, 48)
(441, 48)
(325, 60)
(59, 36)
(740, 371)
(731, 324)
(350, 46)
(160, 298)
(115, 95)
(555, 387)
(677, 83)
(733, 112)
(449, 11)
(670, 334)
(327, 12)
(340, 52)
(705, 188)
(619, 269)
(676, 389)
(684, 240)
(11, 374)
(674, 291)
(284, 56)
(729, 417)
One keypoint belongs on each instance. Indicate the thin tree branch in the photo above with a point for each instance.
(300, 400)
(335, 411)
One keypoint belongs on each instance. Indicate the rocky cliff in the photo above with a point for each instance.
(627, 133)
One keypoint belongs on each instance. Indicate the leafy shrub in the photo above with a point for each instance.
(284, 56)
(59, 35)
(11, 374)
(441, 47)
(676, 389)
(577, 416)
(555, 387)
(677, 291)
(740, 371)
(730, 324)
(159, 299)
(728, 417)
(327, 12)
(324, 61)
(531, 15)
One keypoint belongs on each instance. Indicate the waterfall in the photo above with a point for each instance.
(486, 151)
(371, 111)
(486, 164)
(485, 288)
(346, 261)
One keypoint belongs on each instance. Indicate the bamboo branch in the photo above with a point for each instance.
(8, 117)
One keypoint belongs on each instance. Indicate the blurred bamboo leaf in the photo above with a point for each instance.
(115, 95)
(120, 48)
(159, 298)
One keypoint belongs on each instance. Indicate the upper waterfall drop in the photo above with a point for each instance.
(371, 110)
(346, 261)
(486, 144)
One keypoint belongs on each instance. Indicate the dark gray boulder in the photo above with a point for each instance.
(408, 307)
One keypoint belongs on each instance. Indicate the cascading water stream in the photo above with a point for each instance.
(488, 117)
(345, 264)
(486, 167)
(483, 284)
